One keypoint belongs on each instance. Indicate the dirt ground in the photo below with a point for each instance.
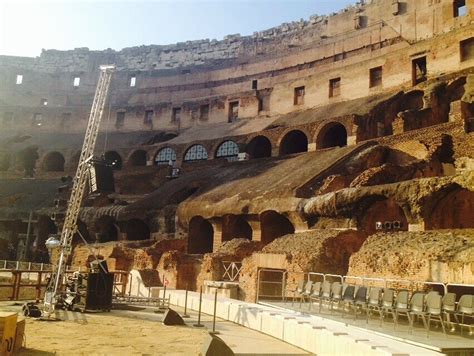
(109, 334)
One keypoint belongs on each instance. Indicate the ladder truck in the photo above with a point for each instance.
(53, 295)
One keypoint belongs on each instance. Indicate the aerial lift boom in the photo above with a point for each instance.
(79, 183)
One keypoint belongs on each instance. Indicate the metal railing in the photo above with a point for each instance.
(231, 270)
(263, 286)
(22, 265)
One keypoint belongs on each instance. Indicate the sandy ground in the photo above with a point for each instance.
(107, 334)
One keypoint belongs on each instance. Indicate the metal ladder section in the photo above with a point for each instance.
(80, 179)
(130, 300)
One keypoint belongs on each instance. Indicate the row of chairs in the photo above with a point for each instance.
(386, 301)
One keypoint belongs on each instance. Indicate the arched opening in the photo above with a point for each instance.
(54, 162)
(293, 142)
(114, 159)
(4, 161)
(195, 153)
(138, 158)
(200, 236)
(274, 225)
(259, 147)
(27, 159)
(453, 210)
(227, 149)
(235, 227)
(82, 229)
(382, 215)
(332, 135)
(44, 228)
(106, 229)
(165, 155)
(136, 230)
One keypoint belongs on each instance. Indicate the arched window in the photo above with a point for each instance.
(227, 149)
(114, 159)
(165, 155)
(195, 153)
(54, 162)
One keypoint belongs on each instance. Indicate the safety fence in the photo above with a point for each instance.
(276, 284)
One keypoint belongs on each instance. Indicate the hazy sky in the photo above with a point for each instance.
(28, 26)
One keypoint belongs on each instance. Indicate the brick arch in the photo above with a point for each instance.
(196, 152)
(138, 157)
(293, 141)
(53, 162)
(449, 208)
(379, 208)
(274, 225)
(200, 236)
(114, 158)
(216, 146)
(177, 152)
(259, 146)
(332, 134)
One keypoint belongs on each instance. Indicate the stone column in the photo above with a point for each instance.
(217, 227)
(256, 228)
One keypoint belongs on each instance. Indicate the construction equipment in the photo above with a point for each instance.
(53, 295)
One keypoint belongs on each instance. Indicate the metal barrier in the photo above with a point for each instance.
(334, 276)
(25, 266)
(271, 289)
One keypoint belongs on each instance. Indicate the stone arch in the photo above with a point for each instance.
(164, 155)
(44, 227)
(5, 161)
(106, 229)
(114, 159)
(136, 229)
(333, 134)
(82, 228)
(451, 209)
(294, 141)
(138, 158)
(384, 210)
(227, 149)
(274, 225)
(195, 153)
(53, 162)
(200, 236)
(259, 147)
(27, 158)
(235, 226)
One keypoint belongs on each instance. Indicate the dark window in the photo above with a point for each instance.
(299, 96)
(260, 104)
(227, 149)
(120, 119)
(233, 110)
(459, 8)
(254, 84)
(196, 153)
(65, 120)
(419, 70)
(204, 112)
(165, 155)
(176, 115)
(375, 77)
(7, 119)
(38, 119)
(148, 119)
(467, 49)
(185, 71)
(334, 87)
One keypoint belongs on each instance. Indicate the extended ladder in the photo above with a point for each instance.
(79, 183)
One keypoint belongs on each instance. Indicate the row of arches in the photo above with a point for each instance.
(295, 141)
(201, 231)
